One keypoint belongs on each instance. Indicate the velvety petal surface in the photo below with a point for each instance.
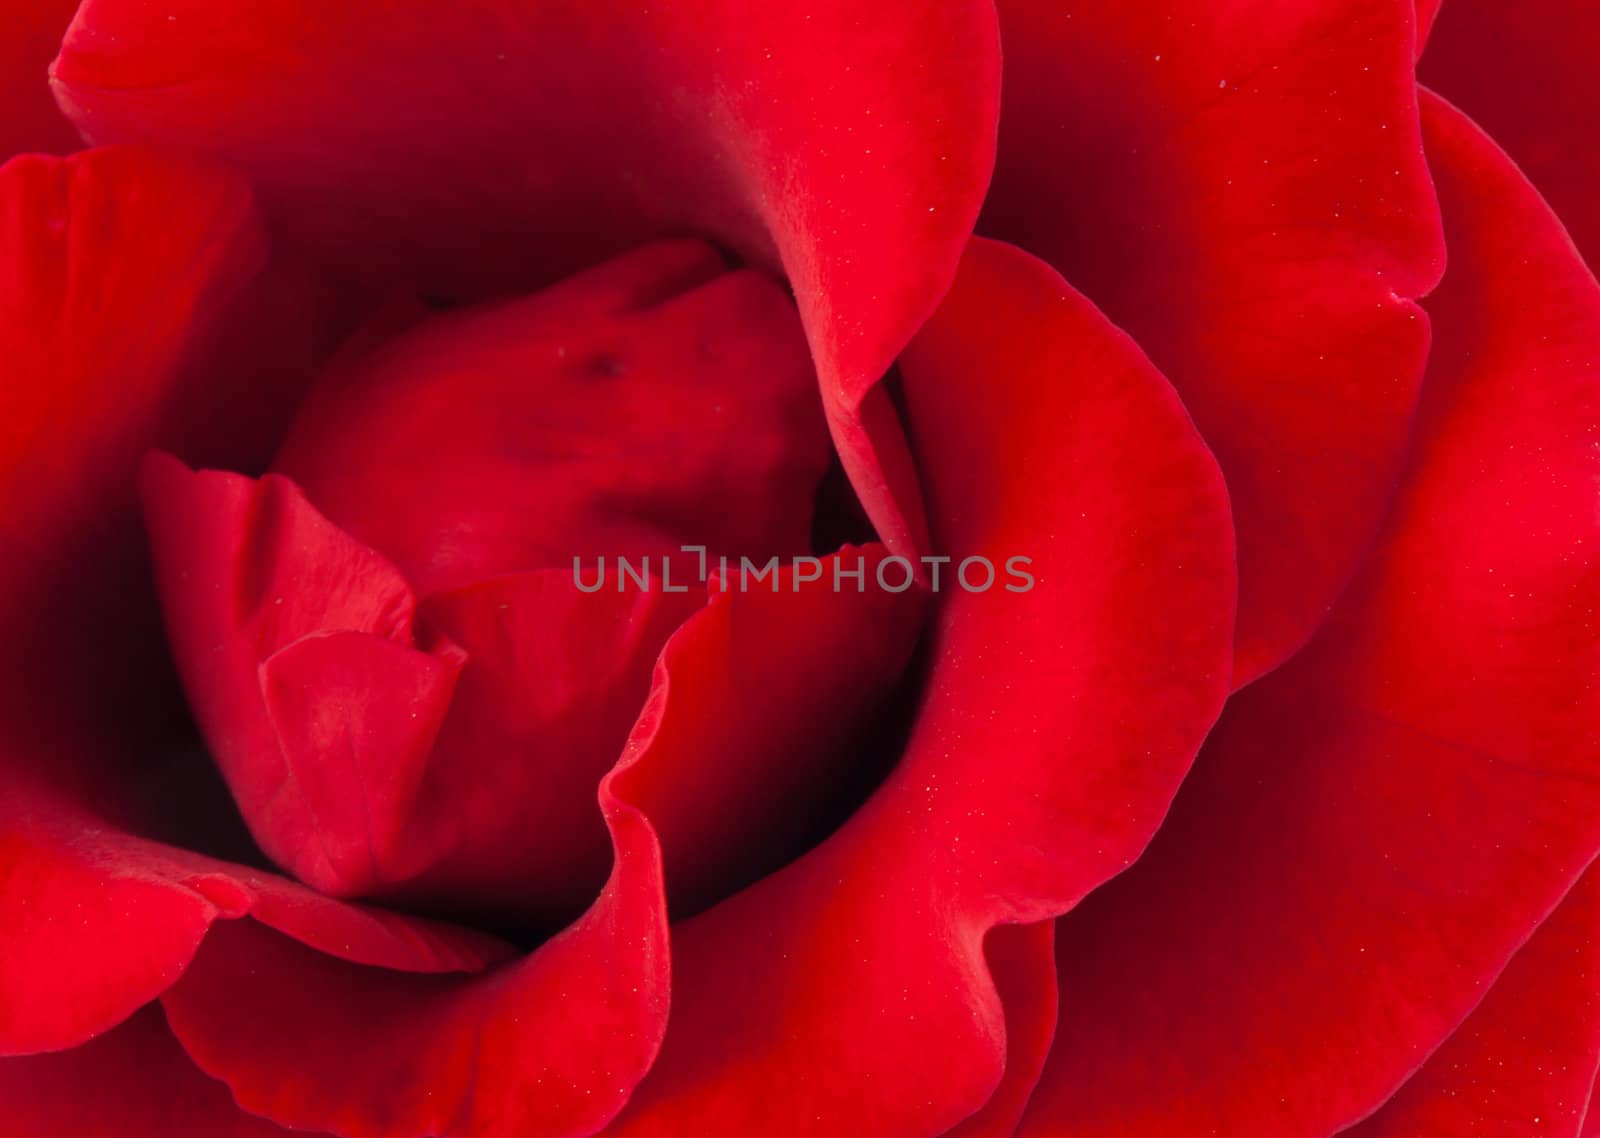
(1371, 833)
(550, 1044)
(1524, 1062)
(748, 771)
(127, 275)
(134, 1082)
(849, 992)
(322, 737)
(553, 1044)
(572, 132)
(1241, 186)
(554, 682)
(655, 400)
(1021, 959)
(451, 760)
(30, 36)
(114, 263)
(1526, 73)
(96, 921)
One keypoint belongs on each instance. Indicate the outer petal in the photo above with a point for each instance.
(549, 1045)
(1241, 186)
(849, 992)
(852, 143)
(30, 35)
(134, 1082)
(97, 922)
(1523, 1064)
(1372, 833)
(1526, 72)
(125, 275)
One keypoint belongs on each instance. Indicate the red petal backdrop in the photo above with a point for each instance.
(1371, 833)
(1241, 186)
(1526, 73)
(30, 36)
(582, 130)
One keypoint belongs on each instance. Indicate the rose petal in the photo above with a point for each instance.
(550, 1045)
(113, 262)
(849, 993)
(572, 133)
(134, 1082)
(655, 400)
(30, 35)
(245, 570)
(1022, 959)
(1526, 73)
(1427, 13)
(355, 717)
(578, 1020)
(357, 757)
(748, 772)
(125, 271)
(1523, 1063)
(97, 922)
(1371, 833)
(127, 274)
(1242, 188)
(554, 681)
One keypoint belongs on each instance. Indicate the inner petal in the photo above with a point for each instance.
(654, 401)
(385, 641)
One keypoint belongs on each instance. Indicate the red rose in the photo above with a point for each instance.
(553, 586)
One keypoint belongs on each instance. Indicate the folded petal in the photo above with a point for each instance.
(849, 992)
(1525, 72)
(247, 571)
(134, 1082)
(1242, 187)
(1523, 1063)
(579, 1020)
(98, 921)
(449, 761)
(1022, 960)
(30, 36)
(504, 818)
(548, 1045)
(571, 133)
(1371, 833)
(746, 773)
